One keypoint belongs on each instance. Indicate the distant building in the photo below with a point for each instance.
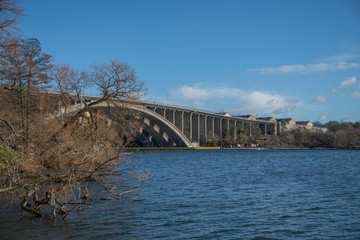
(224, 114)
(285, 124)
(248, 117)
(305, 123)
(269, 119)
(289, 121)
(291, 124)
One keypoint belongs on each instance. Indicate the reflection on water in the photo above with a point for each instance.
(227, 194)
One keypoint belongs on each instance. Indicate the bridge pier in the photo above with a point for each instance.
(205, 130)
(198, 128)
(236, 129)
(213, 127)
(220, 128)
(191, 126)
(250, 125)
(182, 122)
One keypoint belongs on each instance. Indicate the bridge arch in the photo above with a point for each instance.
(164, 126)
(156, 128)
(178, 126)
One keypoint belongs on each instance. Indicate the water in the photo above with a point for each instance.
(227, 194)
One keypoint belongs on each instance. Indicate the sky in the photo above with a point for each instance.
(293, 59)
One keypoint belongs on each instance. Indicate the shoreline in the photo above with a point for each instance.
(219, 148)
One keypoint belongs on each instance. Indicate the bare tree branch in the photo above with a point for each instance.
(60, 156)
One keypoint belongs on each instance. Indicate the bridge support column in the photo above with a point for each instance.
(178, 120)
(250, 129)
(187, 124)
(191, 127)
(198, 126)
(213, 127)
(265, 133)
(182, 122)
(174, 117)
(205, 131)
(220, 128)
(235, 130)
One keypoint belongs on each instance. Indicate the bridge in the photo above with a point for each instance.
(172, 126)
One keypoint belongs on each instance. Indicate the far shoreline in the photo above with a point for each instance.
(141, 149)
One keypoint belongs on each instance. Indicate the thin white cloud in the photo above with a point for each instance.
(236, 101)
(307, 68)
(342, 57)
(194, 93)
(262, 103)
(346, 82)
(320, 99)
(356, 94)
(200, 93)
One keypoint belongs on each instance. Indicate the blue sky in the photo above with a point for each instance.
(298, 59)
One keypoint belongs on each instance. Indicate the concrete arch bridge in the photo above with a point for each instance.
(173, 126)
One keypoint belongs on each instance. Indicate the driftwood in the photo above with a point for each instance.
(49, 199)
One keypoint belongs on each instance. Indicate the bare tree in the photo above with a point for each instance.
(24, 72)
(116, 81)
(50, 161)
(10, 14)
(69, 81)
(212, 138)
(58, 162)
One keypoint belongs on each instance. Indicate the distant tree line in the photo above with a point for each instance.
(345, 135)
(341, 135)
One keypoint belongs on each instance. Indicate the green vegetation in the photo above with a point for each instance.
(7, 154)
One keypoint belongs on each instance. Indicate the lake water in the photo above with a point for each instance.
(223, 194)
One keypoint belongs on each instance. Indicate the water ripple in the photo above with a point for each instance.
(223, 195)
